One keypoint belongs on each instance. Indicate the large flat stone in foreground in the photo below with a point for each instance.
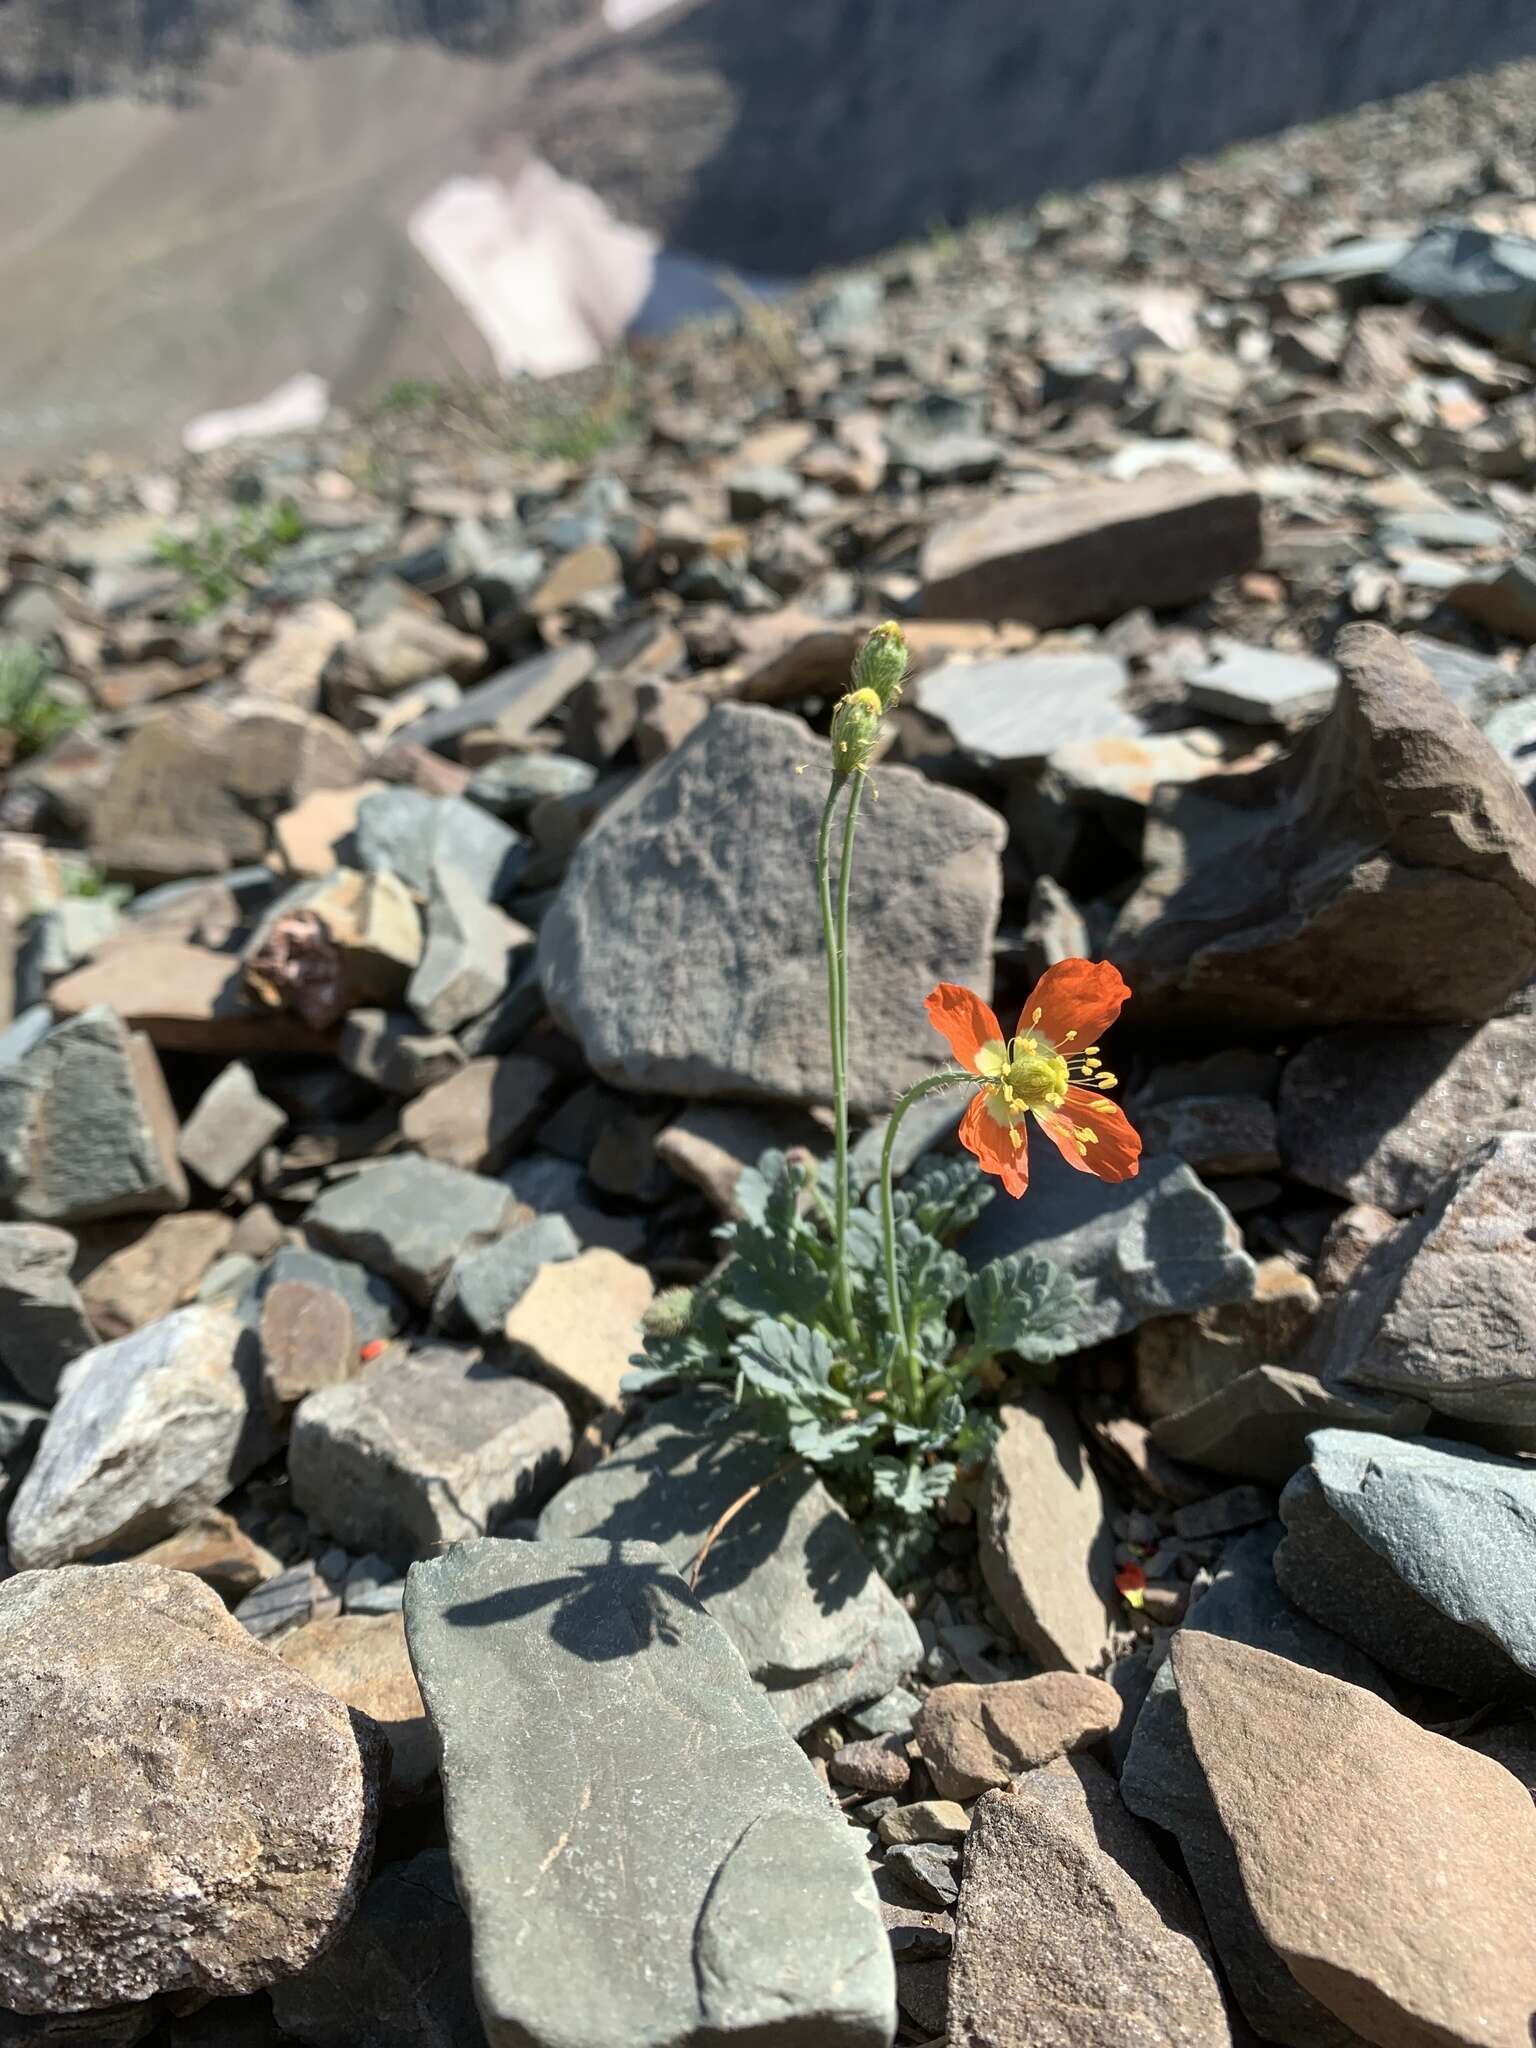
(684, 950)
(646, 1858)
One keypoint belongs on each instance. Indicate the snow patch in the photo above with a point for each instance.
(293, 408)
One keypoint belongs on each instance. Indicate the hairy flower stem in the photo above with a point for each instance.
(840, 1192)
(903, 1352)
(842, 1292)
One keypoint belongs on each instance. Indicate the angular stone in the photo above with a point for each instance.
(469, 953)
(1215, 1134)
(786, 1578)
(1071, 1927)
(407, 647)
(927, 1870)
(286, 1601)
(1420, 1552)
(578, 1322)
(710, 1144)
(409, 1219)
(183, 997)
(312, 838)
(1153, 1246)
(1351, 1828)
(1019, 710)
(1047, 1553)
(378, 1311)
(424, 1449)
(341, 942)
(1118, 776)
(1383, 870)
(391, 1051)
(154, 1273)
(729, 950)
(1262, 685)
(215, 1549)
(1382, 1116)
(402, 832)
(399, 1977)
(361, 1660)
(146, 1434)
(722, 1901)
(1257, 1425)
(308, 1341)
(1088, 553)
(512, 702)
(510, 785)
(86, 1126)
(289, 667)
(878, 1767)
(481, 1115)
(43, 1324)
(1182, 1359)
(925, 1820)
(146, 1850)
(482, 1286)
(974, 1737)
(230, 1126)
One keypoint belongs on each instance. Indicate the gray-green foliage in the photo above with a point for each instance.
(225, 561)
(891, 1443)
(32, 713)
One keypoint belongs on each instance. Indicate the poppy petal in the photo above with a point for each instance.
(964, 1019)
(1077, 1001)
(1113, 1153)
(992, 1143)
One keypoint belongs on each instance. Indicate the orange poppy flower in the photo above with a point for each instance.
(1049, 1070)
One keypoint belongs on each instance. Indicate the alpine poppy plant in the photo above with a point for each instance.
(1049, 1069)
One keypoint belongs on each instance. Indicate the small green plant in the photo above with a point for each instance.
(82, 877)
(850, 1326)
(32, 714)
(410, 396)
(226, 561)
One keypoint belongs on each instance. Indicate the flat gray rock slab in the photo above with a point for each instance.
(409, 1219)
(425, 1450)
(1423, 1553)
(468, 954)
(404, 832)
(483, 1285)
(1382, 1116)
(698, 887)
(1257, 1426)
(231, 1123)
(786, 1579)
(147, 1433)
(646, 1858)
(43, 1325)
(1262, 685)
(1158, 1245)
(1022, 708)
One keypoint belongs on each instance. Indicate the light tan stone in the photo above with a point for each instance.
(579, 1322)
(361, 1660)
(157, 1272)
(975, 1737)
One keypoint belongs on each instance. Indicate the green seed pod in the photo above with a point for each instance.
(881, 663)
(670, 1314)
(855, 728)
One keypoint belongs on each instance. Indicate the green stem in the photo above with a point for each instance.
(948, 1077)
(840, 1192)
(841, 1290)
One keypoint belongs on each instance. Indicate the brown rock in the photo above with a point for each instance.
(1383, 870)
(1393, 1871)
(1182, 1359)
(215, 1549)
(876, 1767)
(579, 1323)
(1352, 1236)
(402, 650)
(184, 1812)
(576, 576)
(156, 1273)
(1046, 1550)
(308, 1340)
(184, 998)
(481, 1115)
(1091, 552)
(1072, 1932)
(975, 1737)
(711, 1142)
(310, 836)
(291, 664)
(361, 1660)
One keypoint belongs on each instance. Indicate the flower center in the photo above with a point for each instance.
(1036, 1079)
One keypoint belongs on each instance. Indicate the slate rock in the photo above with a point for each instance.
(43, 1324)
(1485, 282)
(1020, 709)
(514, 701)
(399, 1977)
(1351, 1829)
(722, 1901)
(711, 1144)
(482, 1286)
(1421, 1552)
(977, 1737)
(1088, 553)
(392, 1052)
(1215, 1134)
(1384, 870)
(786, 1578)
(1153, 1246)
(230, 1126)
(215, 1549)
(468, 956)
(660, 895)
(1046, 1550)
(1257, 1425)
(1071, 1928)
(927, 1870)
(510, 785)
(1262, 685)
(1444, 1310)
(408, 1220)
(147, 1432)
(878, 1766)
(184, 1813)
(1382, 1116)
(378, 1310)
(424, 1449)
(86, 1126)
(406, 833)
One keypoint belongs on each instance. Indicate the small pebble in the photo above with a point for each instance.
(927, 1869)
(926, 1820)
(1240, 1507)
(879, 1766)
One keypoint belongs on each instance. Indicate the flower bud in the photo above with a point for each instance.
(670, 1314)
(855, 728)
(881, 663)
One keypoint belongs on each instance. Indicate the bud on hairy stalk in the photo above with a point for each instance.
(670, 1314)
(855, 728)
(881, 664)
